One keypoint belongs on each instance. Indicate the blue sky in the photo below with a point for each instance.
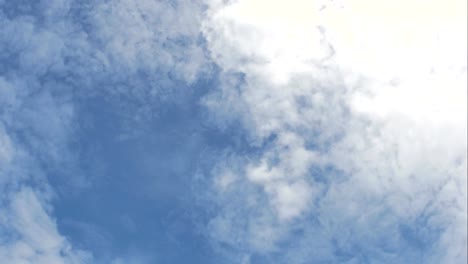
(246, 131)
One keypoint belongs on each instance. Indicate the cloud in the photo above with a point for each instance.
(29, 233)
(358, 112)
(32, 236)
(154, 37)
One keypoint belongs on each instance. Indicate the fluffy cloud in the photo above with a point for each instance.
(358, 110)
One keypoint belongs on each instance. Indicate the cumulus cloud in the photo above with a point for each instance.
(358, 109)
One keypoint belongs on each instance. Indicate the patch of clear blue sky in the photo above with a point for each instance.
(140, 195)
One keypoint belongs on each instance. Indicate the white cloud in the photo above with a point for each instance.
(34, 127)
(32, 236)
(6, 149)
(28, 233)
(152, 36)
(374, 89)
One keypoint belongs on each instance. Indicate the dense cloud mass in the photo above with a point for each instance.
(246, 131)
(361, 107)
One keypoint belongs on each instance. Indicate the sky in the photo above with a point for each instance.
(233, 131)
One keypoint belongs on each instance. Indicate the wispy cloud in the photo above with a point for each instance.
(31, 236)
